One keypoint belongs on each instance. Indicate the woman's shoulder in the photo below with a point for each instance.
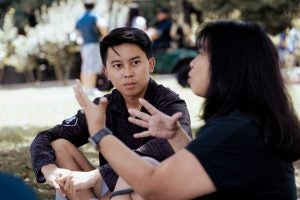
(233, 118)
(234, 122)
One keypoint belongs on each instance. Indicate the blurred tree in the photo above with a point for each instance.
(148, 8)
(275, 15)
(23, 10)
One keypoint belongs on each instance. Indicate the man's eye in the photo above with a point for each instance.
(116, 65)
(136, 62)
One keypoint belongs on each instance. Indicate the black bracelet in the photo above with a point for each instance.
(121, 192)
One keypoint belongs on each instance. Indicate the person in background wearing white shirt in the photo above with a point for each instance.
(135, 19)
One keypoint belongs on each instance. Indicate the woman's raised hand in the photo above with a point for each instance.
(158, 124)
(95, 114)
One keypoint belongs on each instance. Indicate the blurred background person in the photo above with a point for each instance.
(160, 33)
(135, 19)
(283, 48)
(293, 44)
(90, 27)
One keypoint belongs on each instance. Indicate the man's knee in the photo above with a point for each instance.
(61, 145)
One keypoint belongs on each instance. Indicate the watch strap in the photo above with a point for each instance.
(99, 136)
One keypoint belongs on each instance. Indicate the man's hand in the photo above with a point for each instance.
(78, 180)
(52, 173)
(158, 124)
(95, 114)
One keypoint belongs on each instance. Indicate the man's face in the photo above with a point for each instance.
(129, 69)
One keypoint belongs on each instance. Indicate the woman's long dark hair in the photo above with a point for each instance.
(245, 76)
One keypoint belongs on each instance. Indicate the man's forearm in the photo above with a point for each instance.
(48, 169)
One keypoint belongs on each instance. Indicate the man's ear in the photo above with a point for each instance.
(151, 64)
(105, 72)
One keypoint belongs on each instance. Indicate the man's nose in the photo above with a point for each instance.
(128, 71)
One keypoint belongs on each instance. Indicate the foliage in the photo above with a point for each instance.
(43, 41)
(146, 6)
(23, 8)
(275, 15)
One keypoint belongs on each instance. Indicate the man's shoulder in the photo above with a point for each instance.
(160, 93)
(166, 92)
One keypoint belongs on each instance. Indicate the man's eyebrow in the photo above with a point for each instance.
(115, 61)
(135, 57)
(131, 59)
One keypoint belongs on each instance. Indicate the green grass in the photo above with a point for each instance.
(15, 157)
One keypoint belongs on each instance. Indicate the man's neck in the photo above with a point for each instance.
(133, 102)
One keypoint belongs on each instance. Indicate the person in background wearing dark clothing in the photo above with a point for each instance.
(250, 139)
(127, 56)
(160, 34)
(135, 19)
(89, 27)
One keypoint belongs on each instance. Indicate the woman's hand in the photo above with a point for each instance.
(158, 124)
(95, 114)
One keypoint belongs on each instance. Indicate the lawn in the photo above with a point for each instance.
(15, 157)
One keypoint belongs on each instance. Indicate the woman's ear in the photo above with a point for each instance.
(151, 64)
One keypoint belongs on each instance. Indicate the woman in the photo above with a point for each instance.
(251, 134)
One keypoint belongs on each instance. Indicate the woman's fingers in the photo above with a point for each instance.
(151, 109)
(142, 134)
(176, 116)
(138, 114)
(138, 122)
(103, 103)
(81, 98)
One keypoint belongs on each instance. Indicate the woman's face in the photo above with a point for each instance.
(199, 74)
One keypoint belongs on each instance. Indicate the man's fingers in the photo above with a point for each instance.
(57, 186)
(60, 191)
(67, 184)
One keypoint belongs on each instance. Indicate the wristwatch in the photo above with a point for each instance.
(98, 137)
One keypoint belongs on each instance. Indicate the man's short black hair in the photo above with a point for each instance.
(163, 10)
(125, 35)
(89, 6)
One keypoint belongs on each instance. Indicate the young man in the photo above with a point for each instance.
(127, 57)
